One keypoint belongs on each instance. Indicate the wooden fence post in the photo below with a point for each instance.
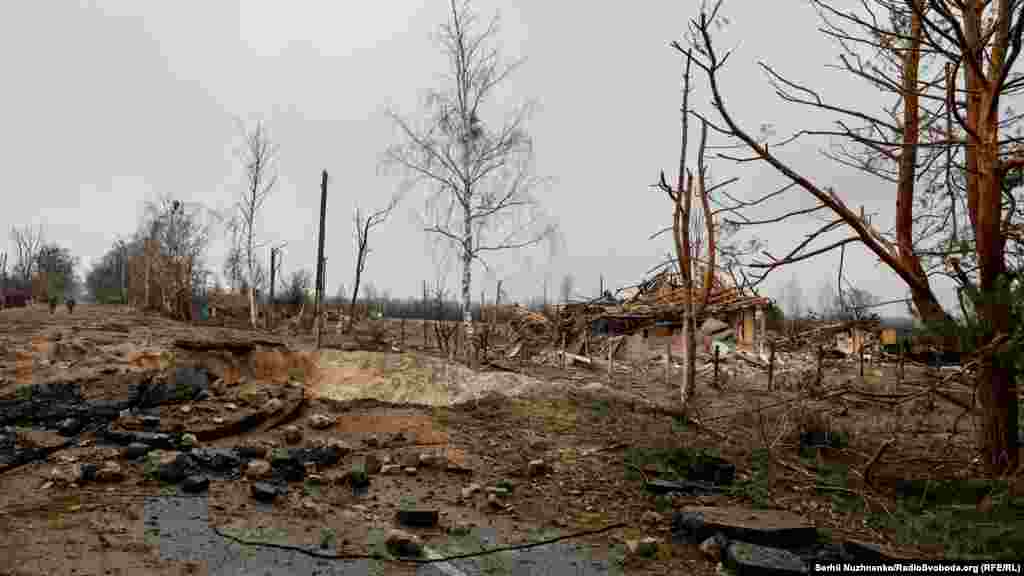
(821, 358)
(716, 368)
(668, 362)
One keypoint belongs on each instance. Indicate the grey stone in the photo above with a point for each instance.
(87, 472)
(195, 483)
(174, 467)
(136, 450)
(154, 439)
(69, 426)
(265, 492)
(219, 460)
(150, 421)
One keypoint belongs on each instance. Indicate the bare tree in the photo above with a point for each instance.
(690, 240)
(941, 62)
(3, 279)
(297, 286)
(827, 300)
(181, 232)
(564, 289)
(363, 223)
(27, 243)
(259, 156)
(233, 262)
(480, 175)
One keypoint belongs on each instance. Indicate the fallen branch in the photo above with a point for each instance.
(874, 459)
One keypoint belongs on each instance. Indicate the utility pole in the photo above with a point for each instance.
(275, 263)
(320, 258)
(124, 272)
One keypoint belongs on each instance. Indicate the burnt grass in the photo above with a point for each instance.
(806, 451)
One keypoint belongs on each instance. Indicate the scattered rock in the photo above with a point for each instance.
(536, 468)
(288, 464)
(390, 469)
(493, 502)
(747, 558)
(265, 492)
(171, 466)
(470, 490)
(69, 426)
(136, 450)
(185, 409)
(371, 441)
(312, 508)
(195, 483)
(252, 451)
(218, 460)
(418, 518)
(154, 439)
(231, 407)
(402, 543)
(340, 446)
(273, 406)
(712, 549)
(110, 472)
(398, 439)
(411, 470)
(87, 472)
(460, 528)
(189, 381)
(427, 460)
(320, 421)
(292, 434)
(371, 464)
(218, 420)
(149, 421)
(409, 460)
(645, 547)
(651, 518)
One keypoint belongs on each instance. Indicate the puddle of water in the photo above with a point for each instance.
(181, 526)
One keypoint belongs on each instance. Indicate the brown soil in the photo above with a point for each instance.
(50, 527)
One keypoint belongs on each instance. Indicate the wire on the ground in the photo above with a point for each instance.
(489, 551)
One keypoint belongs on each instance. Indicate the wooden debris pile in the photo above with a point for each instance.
(532, 330)
(824, 335)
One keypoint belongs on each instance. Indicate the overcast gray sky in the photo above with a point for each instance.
(107, 104)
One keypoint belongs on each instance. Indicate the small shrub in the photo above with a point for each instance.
(327, 537)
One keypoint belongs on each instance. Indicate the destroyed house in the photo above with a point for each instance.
(655, 310)
(12, 297)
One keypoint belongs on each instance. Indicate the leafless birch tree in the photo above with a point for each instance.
(948, 66)
(480, 175)
(259, 156)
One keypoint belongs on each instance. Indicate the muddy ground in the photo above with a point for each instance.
(114, 422)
